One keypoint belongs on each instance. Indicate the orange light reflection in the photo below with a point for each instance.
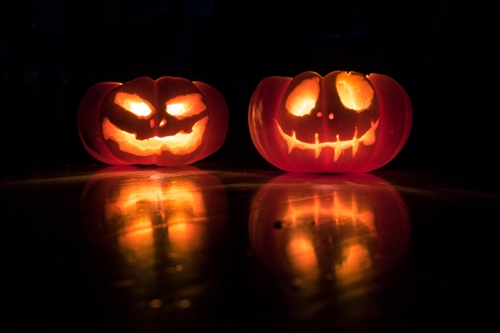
(334, 210)
(140, 207)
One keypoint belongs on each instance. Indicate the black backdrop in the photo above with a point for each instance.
(441, 52)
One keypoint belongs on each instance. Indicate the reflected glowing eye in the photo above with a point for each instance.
(134, 104)
(185, 106)
(354, 91)
(303, 98)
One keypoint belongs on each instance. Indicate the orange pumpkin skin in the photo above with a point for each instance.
(170, 121)
(343, 122)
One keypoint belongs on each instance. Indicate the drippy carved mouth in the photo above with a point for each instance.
(367, 139)
(181, 143)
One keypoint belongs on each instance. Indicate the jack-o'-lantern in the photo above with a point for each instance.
(168, 122)
(343, 122)
(151, 231)
(344, 229)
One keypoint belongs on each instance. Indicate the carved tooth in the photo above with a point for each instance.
(291, 143)
(369, 137)
(355, 148)
(338, 151)
(317, 149)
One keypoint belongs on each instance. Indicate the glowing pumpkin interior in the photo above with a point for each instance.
(354, 91)
(356, 95)
(175, 109)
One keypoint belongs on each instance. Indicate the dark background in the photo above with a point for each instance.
(441, 52)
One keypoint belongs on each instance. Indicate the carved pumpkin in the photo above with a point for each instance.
(168, 122)
(344, 228)
(343, 122)
(151, 230)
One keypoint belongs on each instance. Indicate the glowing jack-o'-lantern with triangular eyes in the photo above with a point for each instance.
(343, 122)
(169, 122)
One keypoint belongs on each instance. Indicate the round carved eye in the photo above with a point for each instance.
(185, 106)
(134, 104)
(303, 98)
(355, 91)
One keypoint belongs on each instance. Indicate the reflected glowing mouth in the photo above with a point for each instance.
(367, 139)
(181, 143)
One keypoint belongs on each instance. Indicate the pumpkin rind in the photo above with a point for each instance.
(330, 137)
(115, 135)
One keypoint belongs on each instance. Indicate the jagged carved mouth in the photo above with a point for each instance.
(368, 138)
(181, 143)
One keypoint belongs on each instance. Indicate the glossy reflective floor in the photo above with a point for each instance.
(199, 249)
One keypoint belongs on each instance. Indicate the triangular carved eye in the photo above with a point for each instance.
(134, 104)
(303, 98)
(185, 106)
(355, 91)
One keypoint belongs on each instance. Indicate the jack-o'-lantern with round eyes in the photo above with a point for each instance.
(170, 121)
(343, 122)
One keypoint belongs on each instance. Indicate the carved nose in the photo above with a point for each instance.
(330, 115)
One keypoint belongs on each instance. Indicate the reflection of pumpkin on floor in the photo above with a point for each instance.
(160, 226)
(328, 234)
(343, 122)
(328, 227)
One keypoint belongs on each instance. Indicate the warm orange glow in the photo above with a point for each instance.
(342, 209)
(155, 216)
(345, 215)
(137, 200)
(179, 144)
(185, 106)
(137, 246)
(303, 98)
(355, 91)
(141, 206)
(134, 104)
(326, 206)
(184, 236)
(367, 139)
(183, 231)
(356, 262)
(300, 251)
